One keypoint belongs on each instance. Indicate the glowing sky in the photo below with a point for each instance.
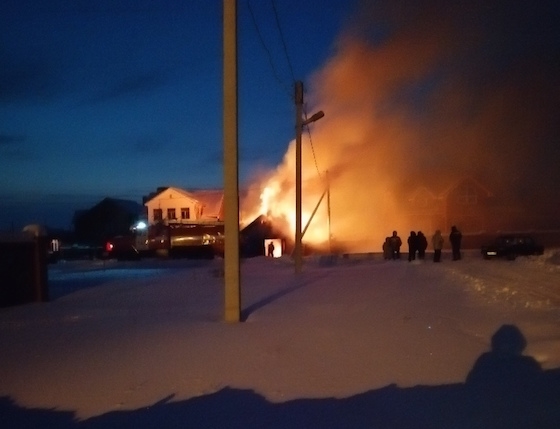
(115, 98)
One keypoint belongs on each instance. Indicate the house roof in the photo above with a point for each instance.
(127, 205)
(436, 190)
(462, 180)
(422, 191)
(171, 189)
(212, 201)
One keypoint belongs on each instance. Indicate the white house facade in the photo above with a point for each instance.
(175, 205)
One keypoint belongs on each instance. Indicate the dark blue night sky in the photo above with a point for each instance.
(117, 97)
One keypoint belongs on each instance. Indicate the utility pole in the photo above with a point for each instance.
(231, 166)
(299, 127)
(300, 123)
(329, 209)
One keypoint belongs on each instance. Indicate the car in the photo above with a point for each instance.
(511, 246)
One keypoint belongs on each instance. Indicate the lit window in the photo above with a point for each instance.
(185, 213)
(171, 214)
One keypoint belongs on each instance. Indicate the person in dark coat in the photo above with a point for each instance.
(422, 244)
(455, 239)
(396, 243)
(387, 252)
(412, 246)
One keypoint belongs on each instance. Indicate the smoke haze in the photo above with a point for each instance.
(424, 94)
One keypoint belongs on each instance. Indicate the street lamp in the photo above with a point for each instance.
(300, 123)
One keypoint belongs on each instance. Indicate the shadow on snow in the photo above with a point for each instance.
(503, 390)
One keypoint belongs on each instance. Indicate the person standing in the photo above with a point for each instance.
(387, 252)
(271, 250)
(455, 239)
(412, 246)
(396, 243)
(422, 244)
(437, 243)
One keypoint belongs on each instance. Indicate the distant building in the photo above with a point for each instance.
(256, 235)
(176, 205)
(466, 203)
(108, 218)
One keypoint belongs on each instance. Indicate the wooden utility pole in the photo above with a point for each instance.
(329, 209)
(231, 166)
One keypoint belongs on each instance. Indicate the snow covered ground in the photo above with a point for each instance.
(349, 343)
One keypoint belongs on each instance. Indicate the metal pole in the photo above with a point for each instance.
(299, 127)
(313, 214)
(329, 208)
(231, 165)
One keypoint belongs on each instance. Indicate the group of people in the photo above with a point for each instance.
(418, 243)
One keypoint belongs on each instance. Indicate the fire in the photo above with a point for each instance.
(277, 201)
(402, 112)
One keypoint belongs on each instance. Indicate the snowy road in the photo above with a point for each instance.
(67, 277)
(121, 337)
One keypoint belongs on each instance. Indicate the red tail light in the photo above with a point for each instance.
(109, 246)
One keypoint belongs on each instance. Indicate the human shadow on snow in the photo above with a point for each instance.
(503, 390)
(263, 302)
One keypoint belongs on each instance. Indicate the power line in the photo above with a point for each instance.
(276, 75)
(312, 148)
(269, 55)
(283, 40)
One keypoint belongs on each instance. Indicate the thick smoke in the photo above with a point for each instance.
(426, 93)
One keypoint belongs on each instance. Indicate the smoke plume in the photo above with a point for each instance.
(422, 94)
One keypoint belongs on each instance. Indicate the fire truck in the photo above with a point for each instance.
(169, 239)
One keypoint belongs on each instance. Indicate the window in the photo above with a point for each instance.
(186, 213)
(158, 215)
(171, 214)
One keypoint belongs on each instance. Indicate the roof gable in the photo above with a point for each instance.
(467, 181)
(422, 192)
(169, 193)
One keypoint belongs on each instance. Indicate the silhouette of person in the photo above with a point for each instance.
(455, 239)
(505, 365)
(387, 253)
(271, 249)
(437, 243)
(509, 390)
(396, 243)
(422, 244)
(412, 246)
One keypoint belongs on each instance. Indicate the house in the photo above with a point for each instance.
(176, 205)
(106, 219)
(465, 202)
(255, 237)
(425, 210)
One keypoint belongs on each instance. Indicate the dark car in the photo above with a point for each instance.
(512, 246)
